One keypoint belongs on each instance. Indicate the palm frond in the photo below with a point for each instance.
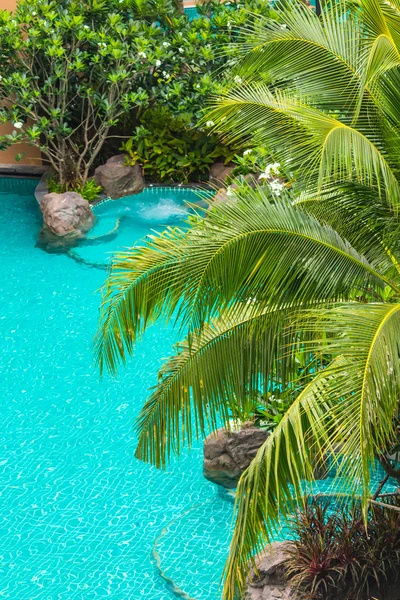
(253, 250)
(319, 145)
(347, 411)
(360, 216)
(268, 489)
(228, 359)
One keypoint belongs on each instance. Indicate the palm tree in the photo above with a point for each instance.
(262, 277)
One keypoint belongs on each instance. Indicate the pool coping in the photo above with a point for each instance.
(11, 170)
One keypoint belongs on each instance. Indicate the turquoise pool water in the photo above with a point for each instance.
(79, 515)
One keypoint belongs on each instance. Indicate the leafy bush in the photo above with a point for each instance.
(68, 75)
(169, 149)
(334, 553)
(75, 74)
(89, 190)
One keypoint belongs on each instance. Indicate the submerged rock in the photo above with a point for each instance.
(67, 214)
(119, 179)
(270, 582)
(228, 453)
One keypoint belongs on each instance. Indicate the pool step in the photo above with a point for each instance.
(170, 583)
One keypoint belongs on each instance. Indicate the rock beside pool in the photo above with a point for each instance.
(270, 582)
(228, 453)
(67, 214)
(119, 179)
(219, 173)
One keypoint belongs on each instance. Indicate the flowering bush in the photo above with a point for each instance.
(69, 72)
(257, 162)
(74, 74)
(176, 147)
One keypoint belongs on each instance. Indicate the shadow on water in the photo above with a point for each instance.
(54, 244)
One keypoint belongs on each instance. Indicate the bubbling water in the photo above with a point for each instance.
(164, 211)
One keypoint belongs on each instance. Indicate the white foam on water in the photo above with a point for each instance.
(165, 209)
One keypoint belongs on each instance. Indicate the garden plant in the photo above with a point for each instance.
(333, 553)
(266, 274)
(76, 78)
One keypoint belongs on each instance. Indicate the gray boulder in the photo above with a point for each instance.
(119, 179)
(66, 214)
(270, 582)
(219, 173)
(228, 453)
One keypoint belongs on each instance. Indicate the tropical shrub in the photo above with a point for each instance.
(67, 73)
(75, 74)
(334, 554)
(169, 148)
(89, 190)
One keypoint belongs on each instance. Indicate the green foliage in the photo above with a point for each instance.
(76, 74)
(334, 554)
(265, 276)
(265, 413)
(89, 190)
(170, 149)
(66, 78)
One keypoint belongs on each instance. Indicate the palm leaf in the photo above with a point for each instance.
(348, 410)
(229, 359)
(250, 250)
(319, 145)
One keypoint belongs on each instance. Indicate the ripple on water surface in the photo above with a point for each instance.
(79, 514)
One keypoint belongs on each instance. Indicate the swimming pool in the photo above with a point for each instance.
(79, 514)
(80, 517)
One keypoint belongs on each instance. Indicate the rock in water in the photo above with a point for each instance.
(119, 179)
(228, 453)
(270, 584)
(66, 214)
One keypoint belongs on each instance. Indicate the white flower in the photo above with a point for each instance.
(1, 78)
(158, 63)
(166, 44)
(272, 169)
(229, 191)
(181, 50)
(142, 55)
(18, 125)
(33, 14)
(284, 26)
(238, 79)
(86, 27)
(198, 86)
(263, 176)
(165, 74)
(210, 123)
(246, 152)
(229, 24)
(276, 186)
